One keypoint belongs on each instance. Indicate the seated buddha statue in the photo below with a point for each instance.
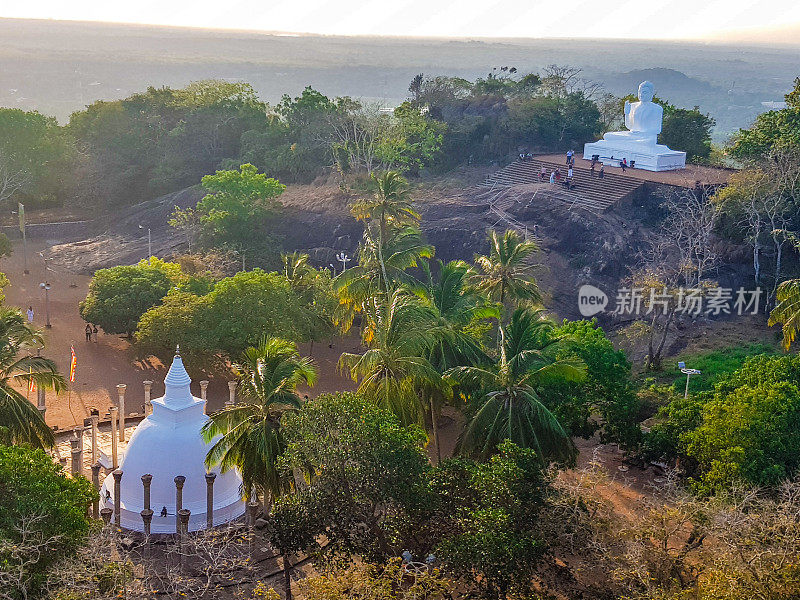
(643, 119)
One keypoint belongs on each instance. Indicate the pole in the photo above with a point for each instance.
(96, 484)
(114, 411)
(149, 246)
(686, 391)
(117, 474)
(210, 477)
(47, 304)
(121, 393)
(148, 405)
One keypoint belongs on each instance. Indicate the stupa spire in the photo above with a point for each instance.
(177, 382)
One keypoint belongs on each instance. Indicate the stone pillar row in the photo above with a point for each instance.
(182, 514)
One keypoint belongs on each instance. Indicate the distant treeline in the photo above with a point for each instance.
(121, 152)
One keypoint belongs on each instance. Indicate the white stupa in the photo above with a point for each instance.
(167, 444)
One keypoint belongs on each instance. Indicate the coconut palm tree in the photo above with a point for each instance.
(454, 306)
(503, 399)
(20, 421)
(393, 370)
(247, 436)
(506, 275)
(787, 310)
(381, 269)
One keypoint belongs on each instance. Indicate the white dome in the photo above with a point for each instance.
(167, 444)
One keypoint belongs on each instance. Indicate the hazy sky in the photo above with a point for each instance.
(487, 18)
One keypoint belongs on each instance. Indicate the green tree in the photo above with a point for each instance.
(42, 519)
(35, 158)
(606, 392)
(368, 475)
(505, 275)
(489, 513)
(251, 440)
(688, 130)
(415, 140)
(503, 397)
(239, 208)
(234, 315)
(787, 311)
(20, 421)
(119, 296)
(774, 128)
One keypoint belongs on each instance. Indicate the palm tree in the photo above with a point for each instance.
(454, 306)
(20, 421)
(787, 310)
(295, 266)
(380, 270)
(248, 434)
(390, 206)
(394, 368)
(505, 276)
(503, 399)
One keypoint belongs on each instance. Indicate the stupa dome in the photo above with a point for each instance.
(167, 444)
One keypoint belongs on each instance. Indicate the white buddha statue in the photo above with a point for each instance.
(638, 144)
(643, 119)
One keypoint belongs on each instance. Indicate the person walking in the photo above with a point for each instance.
(569, 173)
(602, 171)
(94, 333)
(569, 156)
(552, 176)
(543, 173)
(591, 169)
(30, 315)
(88, 331)
(558, 174)
(624, 164)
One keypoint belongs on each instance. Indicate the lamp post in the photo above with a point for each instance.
(688, 373)
(46, 287)
(149, 243)
(344, 259)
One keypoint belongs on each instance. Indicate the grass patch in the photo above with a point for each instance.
(714, 365)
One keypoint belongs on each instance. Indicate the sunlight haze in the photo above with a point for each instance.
(634, 19)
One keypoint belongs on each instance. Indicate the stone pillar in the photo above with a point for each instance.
(183, 531)
(117, 491)
(106, 513)
(148, 405)
(146, 481)
(77, 457)
(204, 395)
(96, 483)
(121, 393)
(179, 481)
(252, 512)
(231, 394)
(114, 412)
(210, 477)
(95, 422)
(147, 519)
(40, 400)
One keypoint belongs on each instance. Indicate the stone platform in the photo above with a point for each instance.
(650, 158)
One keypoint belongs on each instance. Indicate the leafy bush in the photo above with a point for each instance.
(42, 518)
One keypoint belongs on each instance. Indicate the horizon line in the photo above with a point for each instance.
(722, 38)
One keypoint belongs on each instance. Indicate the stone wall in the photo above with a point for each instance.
(61, 231)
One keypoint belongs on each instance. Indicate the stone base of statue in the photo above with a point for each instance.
(642, 154)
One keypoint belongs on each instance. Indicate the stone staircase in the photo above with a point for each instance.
(589, 192)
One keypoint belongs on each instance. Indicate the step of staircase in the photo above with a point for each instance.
(589, 191)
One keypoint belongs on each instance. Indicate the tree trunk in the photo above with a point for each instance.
(435, 427)
(287, 576)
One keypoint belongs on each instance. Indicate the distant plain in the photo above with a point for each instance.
(58, 67)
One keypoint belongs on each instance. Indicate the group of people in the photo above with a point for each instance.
(91, 332)
(596, 160)
(556, 177)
